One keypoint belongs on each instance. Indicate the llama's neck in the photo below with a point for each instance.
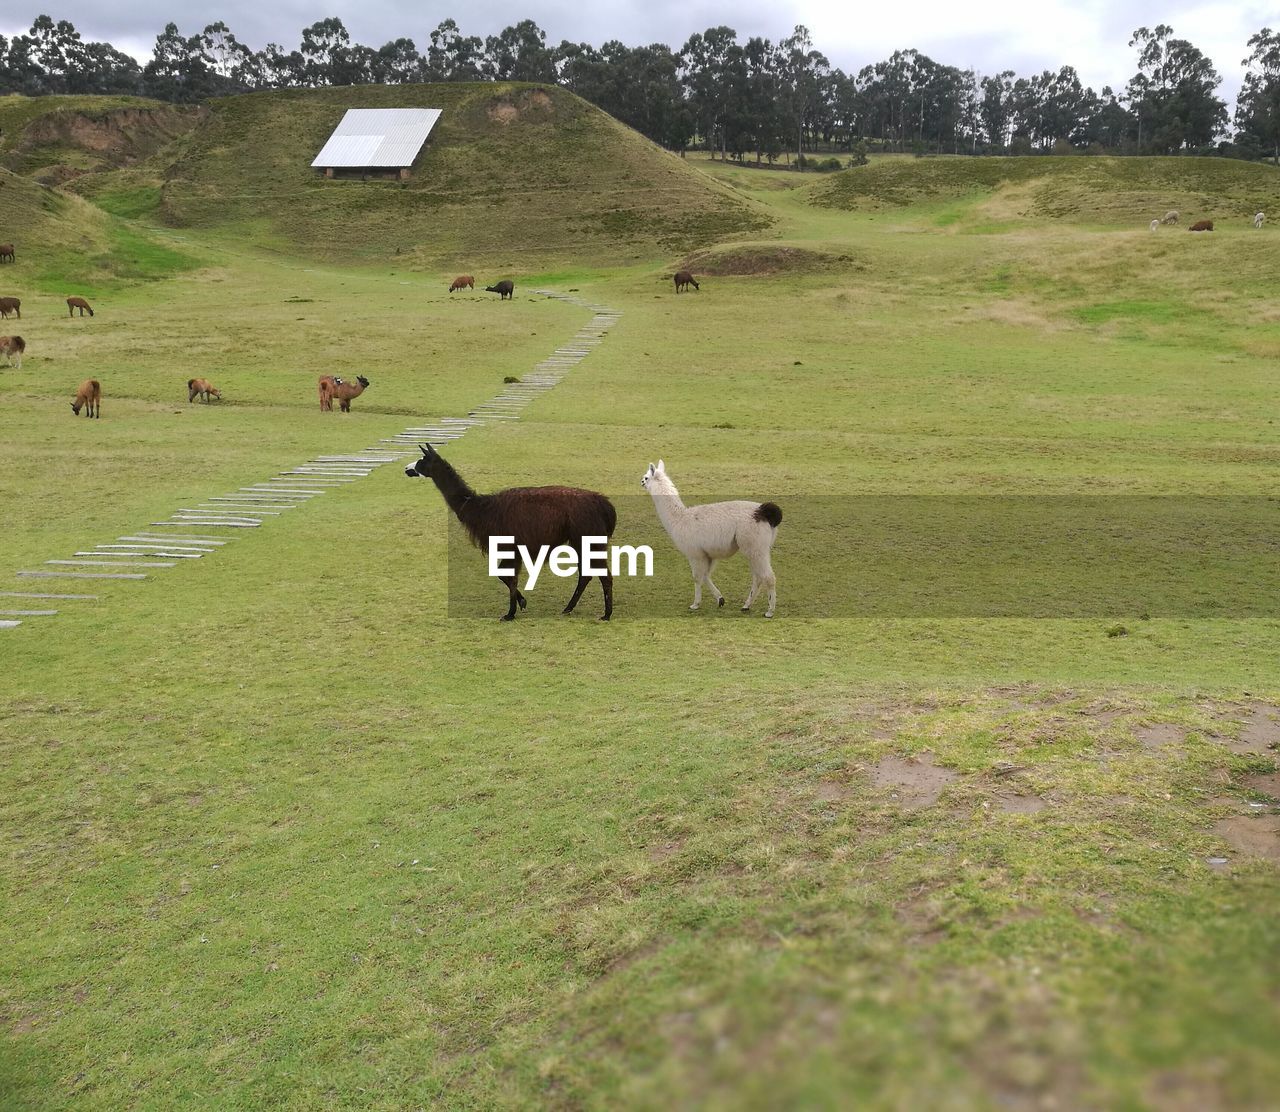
(457, 494)
(666, 500)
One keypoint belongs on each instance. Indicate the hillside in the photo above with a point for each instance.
(514, 176)
(1076, 188)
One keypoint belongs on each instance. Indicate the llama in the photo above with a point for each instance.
(6, 253)
(536, 517)
(684, 280)
(463, 282)
(1259, 218)
(705, 534)
(11, 346)
(202, 388)
(1201, 226)
(10, 305)
(504, 289)
(74, 303)
(1170, 217)
(332, 387)
(1155, 225)
(88, 398)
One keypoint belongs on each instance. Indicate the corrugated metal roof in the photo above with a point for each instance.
(378, 137)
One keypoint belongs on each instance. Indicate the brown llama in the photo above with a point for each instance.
(539, 518)
(463, 282)
(10, 305)
(333, 387)
(6, 253)
(202, 388)
(1201, 226)
(504, 289)
(74, 303)
(684, 280)
(88, 398)
(11, 346)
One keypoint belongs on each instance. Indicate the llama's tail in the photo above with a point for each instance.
(770, 512)
(190, 383)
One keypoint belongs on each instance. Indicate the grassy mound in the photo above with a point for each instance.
(64, 241)
(767, 258)
(1079, 189)
(514, 176)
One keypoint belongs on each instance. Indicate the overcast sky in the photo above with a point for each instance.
(1022, 35)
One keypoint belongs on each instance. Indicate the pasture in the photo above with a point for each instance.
(279, 829)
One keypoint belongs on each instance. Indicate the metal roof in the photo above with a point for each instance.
(378, 137)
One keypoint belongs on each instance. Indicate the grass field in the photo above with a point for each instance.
(279, 831)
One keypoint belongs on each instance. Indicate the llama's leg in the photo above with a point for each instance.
(606, 582)
(698, 564)
(583, 580)
(751, 594)
(769, 582)
(517, 599)
(714, 589)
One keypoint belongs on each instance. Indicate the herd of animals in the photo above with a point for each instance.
(1173, 216)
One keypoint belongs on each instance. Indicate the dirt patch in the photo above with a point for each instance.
(1260, 732)
(749, 261)
(1012, 804)
(830, 792)
(1161, 735)
(1253, 837)
(916, 782)
(507, 110)
(1268, 783)
(662, 850)
(922, 917)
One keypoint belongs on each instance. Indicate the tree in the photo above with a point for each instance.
(996, 108)
(1258, 107)
(1173, 93)
(520, 53)
(453, 56)
(802, 71)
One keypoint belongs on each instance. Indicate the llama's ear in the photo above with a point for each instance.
(662, 468)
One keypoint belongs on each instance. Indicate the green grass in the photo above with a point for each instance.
(278, 830)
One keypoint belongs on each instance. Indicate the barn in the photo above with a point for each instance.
(376, 142)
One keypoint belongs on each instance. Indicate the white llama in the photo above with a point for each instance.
(716, 531)
(1155, 225)
(1259, 218)
(1170, 217)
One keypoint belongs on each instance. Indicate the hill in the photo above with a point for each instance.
(1075, 188)
(514, 176)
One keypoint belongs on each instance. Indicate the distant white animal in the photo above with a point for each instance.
(705, 534)
(1259, 218)
(1155, 224)
(1170, 217)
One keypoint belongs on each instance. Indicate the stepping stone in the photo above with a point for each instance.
(115, 563)
(82, 574)
(206, 546)
(9, 624)
(167, 555)
(282, 492)
(28, 613)
(227, 524)
(242, 509)
(198, 541)
(42, 594)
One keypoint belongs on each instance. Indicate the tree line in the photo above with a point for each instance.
(757, 99)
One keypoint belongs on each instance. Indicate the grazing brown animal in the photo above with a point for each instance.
(1201, 226)
(6, 253)
(540, 518)
(463, 282)
(202, 388)
(332, 387)
(74, 303)
(10, 305)
(684, 280)
(11, 346)
(88, 398)
(504, 289)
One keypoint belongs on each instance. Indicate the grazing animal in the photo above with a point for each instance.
(1259, 218)
(684, 280)
(202, 388)
(1170, 217)
(88, 398)
(332, 387)
(11, 346)
(6, 253)
(10, 305)
(716, 531)
(504, 289)
(463, 282)
(1201, 226)
(536, 517)
(1155, 224)
(74, 303)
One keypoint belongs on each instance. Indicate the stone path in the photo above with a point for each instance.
(168, 544)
